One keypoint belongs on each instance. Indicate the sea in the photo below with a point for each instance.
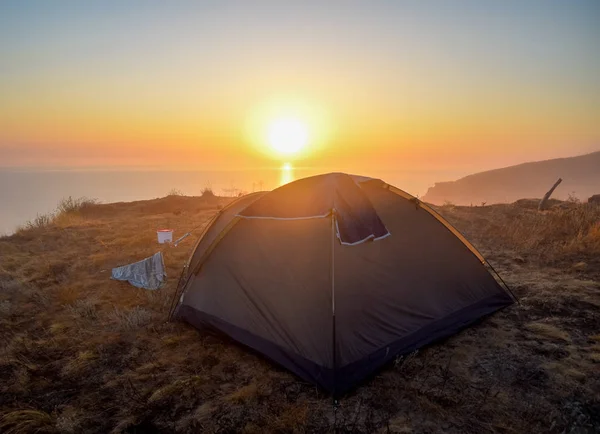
(26, 193)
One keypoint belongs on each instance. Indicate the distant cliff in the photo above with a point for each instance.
(581, 176)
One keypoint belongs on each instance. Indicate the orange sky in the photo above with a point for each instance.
(195, 86)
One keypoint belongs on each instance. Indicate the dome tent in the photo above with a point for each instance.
(333, 276)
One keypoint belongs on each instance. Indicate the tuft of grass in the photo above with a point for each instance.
(172, 340)
(66, 210)
(293, 418)
(70, 205)
(207, 193)
(78, 364)
(244, 393)
(572, 198)
(174, 192)
(66, 422)
(84, 309)
(131, 319)
(174, 389)
(548, 331)
(566, 372)
(594, 357)
(41, 221)
(27, 421)
(57, 328)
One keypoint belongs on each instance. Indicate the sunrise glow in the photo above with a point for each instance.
(384, 87)
(288, 136)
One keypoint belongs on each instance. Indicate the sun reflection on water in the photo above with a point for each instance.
(287, 174)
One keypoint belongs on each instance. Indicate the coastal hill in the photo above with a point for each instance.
(83, 353)
(580, 175)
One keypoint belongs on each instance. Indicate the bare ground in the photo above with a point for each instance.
(82, 353)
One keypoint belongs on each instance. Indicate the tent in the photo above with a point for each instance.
(333, 276)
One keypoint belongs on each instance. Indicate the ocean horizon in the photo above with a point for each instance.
(28, 192)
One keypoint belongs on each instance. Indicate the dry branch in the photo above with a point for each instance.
(548, 194)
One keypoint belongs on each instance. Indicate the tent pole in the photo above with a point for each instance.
(332, 268)
(505, 285)
(176, 294)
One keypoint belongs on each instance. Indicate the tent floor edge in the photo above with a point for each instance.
(357, 372)
(346, 378)
(305, 369)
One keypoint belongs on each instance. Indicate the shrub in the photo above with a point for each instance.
(67, 207)
(207, 192)
(39, 222)
(72, 206)
(174, 192)
(573, 198)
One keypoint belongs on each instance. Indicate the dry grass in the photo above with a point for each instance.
(70, 205)
(549, 331)
(82, 353)
(174, 192)
(26, 421)
(567, 232)
(207, 193)
(68, 212)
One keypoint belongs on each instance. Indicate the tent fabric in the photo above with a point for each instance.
(426, 273)
(148, 273)
(316, 197)
(331, 311)
(290, 305)
(218, 224)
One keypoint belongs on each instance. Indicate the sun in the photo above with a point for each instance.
(287, 136)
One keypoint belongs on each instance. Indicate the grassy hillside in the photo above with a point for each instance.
(82, 353)
(580, 175)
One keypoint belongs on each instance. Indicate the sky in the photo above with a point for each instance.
(419, 85)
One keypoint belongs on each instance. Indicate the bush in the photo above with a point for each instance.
(174, 192)
(573, 198)
(72, 206)
(66, 207)
(40, 221)
(207, 192)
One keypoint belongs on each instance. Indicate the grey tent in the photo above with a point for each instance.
(333, 276)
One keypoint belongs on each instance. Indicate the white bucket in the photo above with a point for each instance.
(165, 236)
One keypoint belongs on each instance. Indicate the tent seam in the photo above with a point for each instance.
(440, 219)
(204, 257)
(282, 218)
